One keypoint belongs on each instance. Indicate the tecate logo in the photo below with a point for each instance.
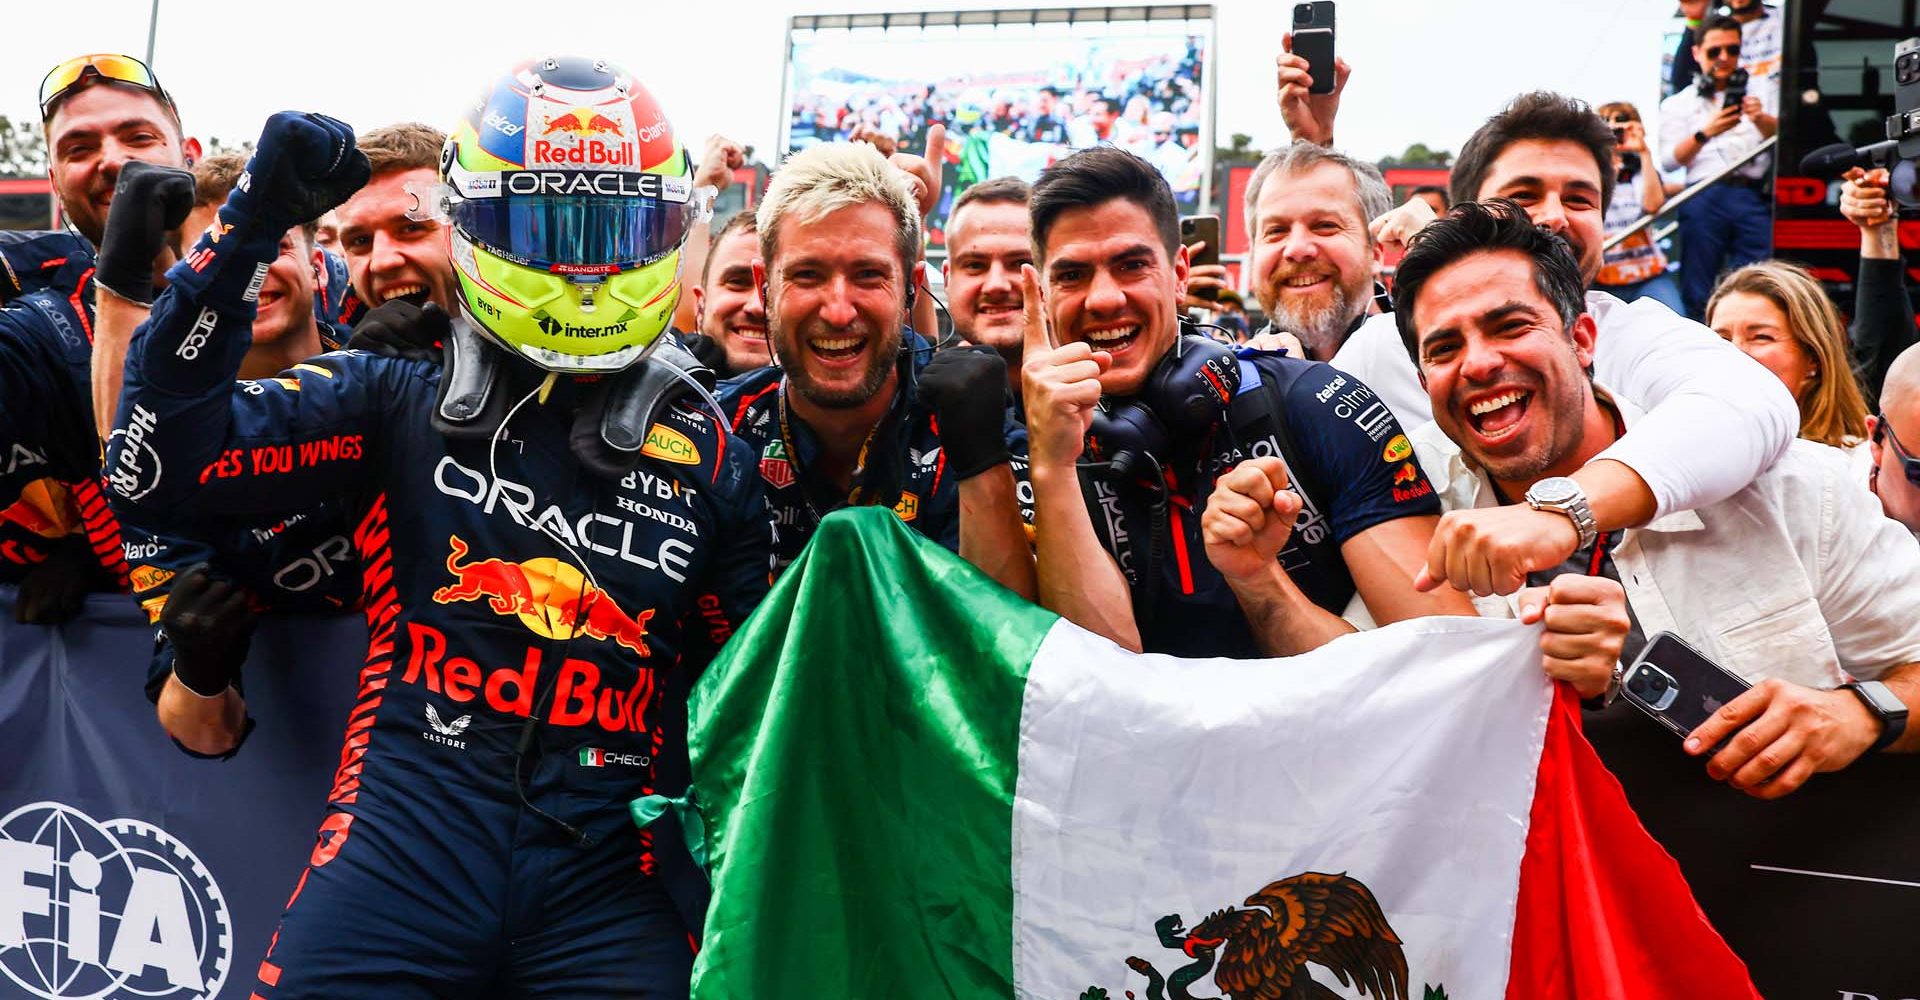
(113, 910)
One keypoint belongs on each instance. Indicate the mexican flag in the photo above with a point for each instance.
(914, 785)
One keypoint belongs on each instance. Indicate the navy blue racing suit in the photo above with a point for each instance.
(301, 563)
(335, 307)
(31, 260)
(903, 455)
(49, 452)
(50, 482)
(1346, 457)
(534, 630)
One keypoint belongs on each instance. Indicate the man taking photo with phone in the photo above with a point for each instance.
(1705, 129)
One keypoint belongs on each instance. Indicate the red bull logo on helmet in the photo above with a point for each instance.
(583, 121)
(549, 596)
(574, 136)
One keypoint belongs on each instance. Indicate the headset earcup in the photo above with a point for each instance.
(1191, 386)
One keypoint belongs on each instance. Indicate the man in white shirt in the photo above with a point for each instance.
(1715, 417)
(1762, 32)
(1795, 582)
(1707, 128)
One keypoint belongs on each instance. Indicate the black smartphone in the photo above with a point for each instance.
(1193, 229)
(1677, 685)
(1313, 41)
(1905, 123)
(1736, 89)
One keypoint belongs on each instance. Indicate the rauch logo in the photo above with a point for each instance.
(112, 910)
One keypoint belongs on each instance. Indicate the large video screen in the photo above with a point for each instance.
(1014, 97)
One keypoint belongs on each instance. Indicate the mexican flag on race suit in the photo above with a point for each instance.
(915, 785)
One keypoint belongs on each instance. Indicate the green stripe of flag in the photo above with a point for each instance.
(858, 727)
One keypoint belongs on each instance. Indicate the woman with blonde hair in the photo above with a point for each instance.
(1778, 314)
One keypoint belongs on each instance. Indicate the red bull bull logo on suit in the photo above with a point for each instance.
(549, 596)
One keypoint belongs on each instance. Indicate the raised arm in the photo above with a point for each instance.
(149, 202)
(1882, 312)
(1248, 520)
(185, 429)
(1078, 579)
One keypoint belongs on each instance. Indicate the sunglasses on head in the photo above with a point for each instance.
(1720, 50)
(67, 76)
(1883, 431)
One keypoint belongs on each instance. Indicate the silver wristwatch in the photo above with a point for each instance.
(1564, 496)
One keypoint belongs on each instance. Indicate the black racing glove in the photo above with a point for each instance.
(303, 165)
(399, 329)
(967, 390)
(149, 201)
(708, 352)
(55, 589)
(210, 625)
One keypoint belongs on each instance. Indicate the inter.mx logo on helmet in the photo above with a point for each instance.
(106, 911)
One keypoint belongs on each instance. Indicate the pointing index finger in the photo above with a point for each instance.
(1038, 337)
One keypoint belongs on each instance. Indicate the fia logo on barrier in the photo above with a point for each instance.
(106, 911)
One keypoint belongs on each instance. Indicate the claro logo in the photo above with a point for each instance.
(106, 911)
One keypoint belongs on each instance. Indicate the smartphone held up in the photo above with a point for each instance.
(1313, 41)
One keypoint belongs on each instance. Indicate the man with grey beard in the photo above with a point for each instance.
(1308, 209)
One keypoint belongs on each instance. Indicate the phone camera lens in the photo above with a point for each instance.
(1302, 12)
(1657, 683)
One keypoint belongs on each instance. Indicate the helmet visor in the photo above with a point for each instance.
(575, 233)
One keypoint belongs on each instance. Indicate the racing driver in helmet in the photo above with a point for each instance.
(555, 541)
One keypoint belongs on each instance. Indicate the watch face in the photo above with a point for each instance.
(1883, 700)
(1556, 489)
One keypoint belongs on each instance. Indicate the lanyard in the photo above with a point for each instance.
(858, 496)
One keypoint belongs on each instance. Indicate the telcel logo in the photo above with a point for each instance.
(106, 911)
